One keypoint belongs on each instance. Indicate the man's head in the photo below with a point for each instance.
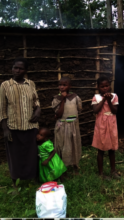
(19, 68)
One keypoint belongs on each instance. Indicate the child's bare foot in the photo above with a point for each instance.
(62, 178)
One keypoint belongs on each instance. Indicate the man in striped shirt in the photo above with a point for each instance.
(19, 115)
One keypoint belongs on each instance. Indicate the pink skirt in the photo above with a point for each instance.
(105, 133)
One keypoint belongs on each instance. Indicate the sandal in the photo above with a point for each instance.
(115, 175)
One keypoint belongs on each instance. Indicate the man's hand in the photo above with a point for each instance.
(7, 135)
(36, 115)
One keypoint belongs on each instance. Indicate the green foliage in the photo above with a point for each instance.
(54, 13)
(74, 14)
(98, 9)
(29, 213)
(87, 194)
(17, 182)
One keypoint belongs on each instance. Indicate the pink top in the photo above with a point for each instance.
(105, 131)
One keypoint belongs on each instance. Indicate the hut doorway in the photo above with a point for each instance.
(119, 90)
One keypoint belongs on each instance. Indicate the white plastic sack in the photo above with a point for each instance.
(52, 204)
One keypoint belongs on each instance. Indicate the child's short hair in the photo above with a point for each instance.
(67, 79)
(23, 60)
(48, 132)
(101, 79)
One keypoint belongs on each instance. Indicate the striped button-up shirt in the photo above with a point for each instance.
(17, 102)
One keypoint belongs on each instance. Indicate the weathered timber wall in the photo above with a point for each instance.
(82, 58)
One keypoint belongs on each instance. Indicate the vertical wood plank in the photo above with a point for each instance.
(97, 61)
(25, 51)
(113, 66)
(120, 13)
(109, 14)
(59, 73)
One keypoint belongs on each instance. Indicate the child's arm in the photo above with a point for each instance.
(59, 113)
(113, 108)
(97, 107)
(79, 104)
(45, 162)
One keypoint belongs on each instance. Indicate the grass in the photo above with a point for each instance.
(87, 194)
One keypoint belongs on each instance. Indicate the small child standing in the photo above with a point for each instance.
(51, 166)
(105, 133)
(67, 132)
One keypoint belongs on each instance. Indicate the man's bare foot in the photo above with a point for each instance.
(35, 181)
(104, 177)
(14, 183)
(76, 170)
(115, 175)
(14, 186)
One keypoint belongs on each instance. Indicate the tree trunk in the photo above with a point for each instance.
(17, 5)
(120, 13)
(60, 15)
(90, 14)
(45, 14)
(109, 14)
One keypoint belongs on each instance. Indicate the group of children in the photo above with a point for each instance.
(66, 151)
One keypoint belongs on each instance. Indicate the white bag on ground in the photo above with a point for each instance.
(51, 201)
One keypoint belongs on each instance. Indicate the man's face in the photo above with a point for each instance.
(18, 70)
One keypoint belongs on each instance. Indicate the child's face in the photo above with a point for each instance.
(104, 87)
(64, 86)
(41, 136)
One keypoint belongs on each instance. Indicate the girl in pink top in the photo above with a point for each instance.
(105, 133)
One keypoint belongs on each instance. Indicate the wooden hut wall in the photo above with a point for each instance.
(81, 57)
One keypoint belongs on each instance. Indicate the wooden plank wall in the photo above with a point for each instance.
(82, 58)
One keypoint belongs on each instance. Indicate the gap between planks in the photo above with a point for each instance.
(89, 100)
(83, 113)
(87, 122)
(88, 134)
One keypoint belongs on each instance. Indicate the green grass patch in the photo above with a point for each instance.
(87, 194)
